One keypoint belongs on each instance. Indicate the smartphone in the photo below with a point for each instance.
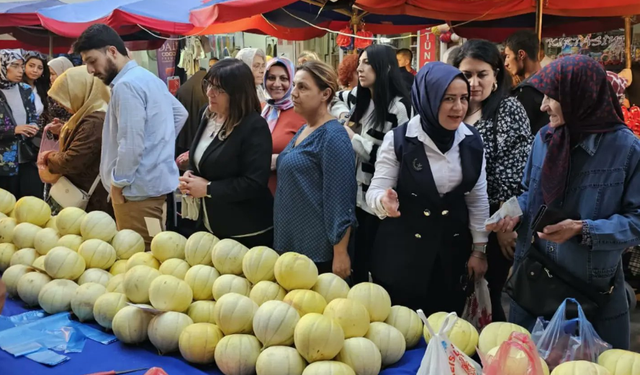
(547, 216)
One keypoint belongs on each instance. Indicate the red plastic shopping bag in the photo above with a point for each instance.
(478, 311)
(516, 356)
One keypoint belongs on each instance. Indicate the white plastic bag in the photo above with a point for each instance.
(442, 357)
(477, 310)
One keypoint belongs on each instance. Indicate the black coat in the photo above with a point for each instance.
(238, 168)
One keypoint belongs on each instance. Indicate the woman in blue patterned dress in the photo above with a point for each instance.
(315, 201)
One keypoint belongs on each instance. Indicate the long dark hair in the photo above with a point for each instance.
(389, 85)
(488, 52)
(236, 79)
(42, 84)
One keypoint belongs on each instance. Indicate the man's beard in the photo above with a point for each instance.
(110, 73)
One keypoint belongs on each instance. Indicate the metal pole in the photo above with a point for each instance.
(539, 12)
(50, 45)
(627, 42)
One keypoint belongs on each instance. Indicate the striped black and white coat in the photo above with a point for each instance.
(368, 139)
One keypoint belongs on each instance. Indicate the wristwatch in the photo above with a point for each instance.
(480, 248)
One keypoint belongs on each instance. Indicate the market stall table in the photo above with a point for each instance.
(117, 356)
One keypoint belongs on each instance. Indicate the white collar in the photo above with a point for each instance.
(414, 130)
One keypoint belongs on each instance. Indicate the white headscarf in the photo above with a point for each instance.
(60, 65)
(247, 55)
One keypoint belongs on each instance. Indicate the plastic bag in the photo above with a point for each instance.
(48, 143)
(509, 359)
(442, 357)
(561, 340)
(477, 311)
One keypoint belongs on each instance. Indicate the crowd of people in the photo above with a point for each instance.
(374, 171)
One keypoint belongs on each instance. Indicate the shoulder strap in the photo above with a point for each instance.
(399, 134)
(94, 186)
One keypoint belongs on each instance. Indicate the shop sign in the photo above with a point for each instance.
(167, 59)
(427, 50)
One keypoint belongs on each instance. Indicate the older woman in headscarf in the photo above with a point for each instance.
(256, 59)
(57, 66)
(432, 170)
(17, 123)
(283, 121)
(86, 97)
(583, 177)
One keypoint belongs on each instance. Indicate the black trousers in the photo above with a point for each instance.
(26, 183)
(263, 239)
(365, 236)
(496, 275)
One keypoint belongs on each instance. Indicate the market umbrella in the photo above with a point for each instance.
(23, 13)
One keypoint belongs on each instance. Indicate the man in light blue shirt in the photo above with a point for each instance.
(138, 139)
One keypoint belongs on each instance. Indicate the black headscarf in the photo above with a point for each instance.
(427, 92)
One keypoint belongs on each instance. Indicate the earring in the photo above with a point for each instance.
(495, 86)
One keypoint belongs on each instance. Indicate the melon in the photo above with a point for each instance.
(619, 362)
(201, 278)
(517, 362)
(233, 313)
(12, 275)
(375, 298)
(130, 325)
(106, 307)
(362, 355)
(120, 266)
(389, 341)
(407, 322)
(202, 312)
(116, 284)
(331, 286)
(7, 201)
(274, 323)
(97, 254)
(142, 259)
(168, 293)
(32, 210)
(267, 291)
(63, 263)
(38, 263)
(95, 275)
(85, 298)
(198, 248)
(496, 333)
(197, 342)
(463, 335)
(56, 296)
(227, 256)
(306, 301)
(280, 360)
(7, 225)
(30, 285)
(230, 284)
(137, 282)
(52, 223)
(70, 241)
(318, 338)
(25, 257)
(98, 225)
(237, 354)
(45, 240)
(328, 368)
(69, 220)
(352, 316)
(258, 264)
(175, 267)
(295, 271)
(126, 243)
(24, 235)
(2, 216)
(168, 245)
(165, 329)
(6, 253)
(580, 368)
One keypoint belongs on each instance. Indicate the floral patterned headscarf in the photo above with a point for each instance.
(272, 109)
(589, 105)
(7, 57)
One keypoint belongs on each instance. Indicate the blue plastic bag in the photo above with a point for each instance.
(561, 340)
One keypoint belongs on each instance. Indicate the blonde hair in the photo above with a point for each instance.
(309, 56)
(324, 76)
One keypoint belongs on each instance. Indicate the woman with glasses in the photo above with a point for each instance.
(230, 160)
(257, 61)
(17, 123)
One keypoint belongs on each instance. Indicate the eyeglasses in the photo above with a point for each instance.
(16, 66)
(215, 89)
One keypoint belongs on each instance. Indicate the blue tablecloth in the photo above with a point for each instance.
(117, 356)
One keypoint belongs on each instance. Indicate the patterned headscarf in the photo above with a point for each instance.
(7, 57)
(589, 105)
(427, 92)
(618, 83)
(272, 109)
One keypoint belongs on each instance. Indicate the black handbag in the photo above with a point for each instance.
(540, 286)
(27, 149)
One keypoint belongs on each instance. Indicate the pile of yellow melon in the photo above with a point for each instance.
(247, 310)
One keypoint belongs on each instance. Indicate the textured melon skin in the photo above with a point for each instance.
(237, 354)
(463, 335)
(198, 342)
(165, 329)
(496, 333)
(274, 323)
(375, 298)
(408, 323)
(130, 325)
(280, 360)
(620, 362)
(318, 338)
(362, 355)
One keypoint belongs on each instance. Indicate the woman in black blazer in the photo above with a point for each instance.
(230, 159)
